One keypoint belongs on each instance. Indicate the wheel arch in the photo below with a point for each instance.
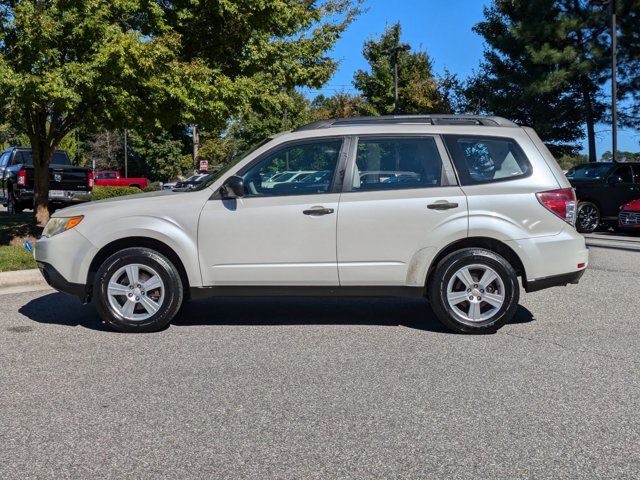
(143, 242)
(487, 243)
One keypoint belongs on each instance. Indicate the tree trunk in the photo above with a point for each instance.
(588, 111)
(41, 152)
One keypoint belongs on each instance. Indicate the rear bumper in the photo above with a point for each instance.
(57, 281)
(70, 197)
(553, 281)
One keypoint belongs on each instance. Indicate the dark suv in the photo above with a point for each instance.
(601, 189)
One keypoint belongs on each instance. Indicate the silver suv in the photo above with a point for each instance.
(451, 207)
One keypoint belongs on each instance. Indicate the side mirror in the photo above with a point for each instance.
(614, 179)
(233, 187)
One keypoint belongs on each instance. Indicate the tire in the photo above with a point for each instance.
(587, 218)
(474, 316)
(13, 206)
(128, 307)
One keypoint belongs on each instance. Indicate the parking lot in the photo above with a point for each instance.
(324, 388)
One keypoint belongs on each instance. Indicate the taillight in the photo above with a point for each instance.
(90, 180)
(22, 178)
(562, 202)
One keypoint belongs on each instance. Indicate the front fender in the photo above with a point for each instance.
(164, 230)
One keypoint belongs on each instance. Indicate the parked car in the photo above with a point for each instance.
(112, 178)
(501, 209)
(68, 184)
(287, 177)
(629, 217)
(601, 189)
(190, 183)
(168, 186)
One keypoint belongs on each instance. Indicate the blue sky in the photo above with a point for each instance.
(443, 29)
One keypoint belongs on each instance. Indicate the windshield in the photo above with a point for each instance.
(588, 172)
(225, 168)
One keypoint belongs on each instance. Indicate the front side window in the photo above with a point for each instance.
(396, 163)
(625, 173)
(303, 168)
(486, 159)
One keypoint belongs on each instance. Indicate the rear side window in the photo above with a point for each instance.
(396, 163)
(486, 159)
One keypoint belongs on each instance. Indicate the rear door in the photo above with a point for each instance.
(399, 206)
(4, 160)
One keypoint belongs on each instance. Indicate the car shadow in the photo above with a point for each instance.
(60, 309)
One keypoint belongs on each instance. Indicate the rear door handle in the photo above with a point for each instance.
(317, 211)
(442, 205)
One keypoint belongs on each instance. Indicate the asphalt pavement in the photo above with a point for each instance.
(329, 388)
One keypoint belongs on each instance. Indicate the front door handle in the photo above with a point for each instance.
(317, 211)
(442, 205)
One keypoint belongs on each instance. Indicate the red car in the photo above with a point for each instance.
(629, 216)
(112, 178)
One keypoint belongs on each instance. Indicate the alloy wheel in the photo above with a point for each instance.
(475, 293)
(136, 292)
(588, 218)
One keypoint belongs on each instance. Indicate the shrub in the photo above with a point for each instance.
(152, 187)
(101, 192)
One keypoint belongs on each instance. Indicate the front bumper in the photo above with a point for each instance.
(629, 220)
(64, 260)
(57, 281)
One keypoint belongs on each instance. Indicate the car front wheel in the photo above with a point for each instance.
(588, 217)
(474, 291)
(138, 290)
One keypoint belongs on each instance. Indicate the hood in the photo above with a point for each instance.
(633, 206)
(81, 208)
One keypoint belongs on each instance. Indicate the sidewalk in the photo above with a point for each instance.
(22, 281)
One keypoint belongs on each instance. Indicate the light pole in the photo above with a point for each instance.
(393, 51)
(614, 82)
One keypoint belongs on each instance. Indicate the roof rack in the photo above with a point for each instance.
(439, 119)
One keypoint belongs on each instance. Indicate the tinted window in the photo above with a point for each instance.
(59, 158)
(588, 172)
(486, 159)
(625, 173)
(297, 169)
(636, 173)
(394, 163)
(101, 176)
(4, 158)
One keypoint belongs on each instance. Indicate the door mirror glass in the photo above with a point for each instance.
(233, 187)
(615, 179)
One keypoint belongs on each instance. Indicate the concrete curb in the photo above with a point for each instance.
(22, 278)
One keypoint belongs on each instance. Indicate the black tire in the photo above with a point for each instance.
(588, 217)
(13, 206)
(445, 272)
(172, 288)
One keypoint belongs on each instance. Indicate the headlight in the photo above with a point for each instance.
(60, 224)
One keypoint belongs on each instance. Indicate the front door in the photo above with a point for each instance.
(283, 231)
(399, 207)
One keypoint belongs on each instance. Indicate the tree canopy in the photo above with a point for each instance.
(133, 63)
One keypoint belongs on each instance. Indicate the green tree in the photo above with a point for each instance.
(143, 65)
(629, 61)
(545, 65)
(158, 155)
(418, 88)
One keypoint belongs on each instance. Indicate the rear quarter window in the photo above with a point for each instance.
(481, 160)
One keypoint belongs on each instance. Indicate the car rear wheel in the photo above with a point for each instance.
(13, 206)
(474, 291)
(588, 217)
(138, 290)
